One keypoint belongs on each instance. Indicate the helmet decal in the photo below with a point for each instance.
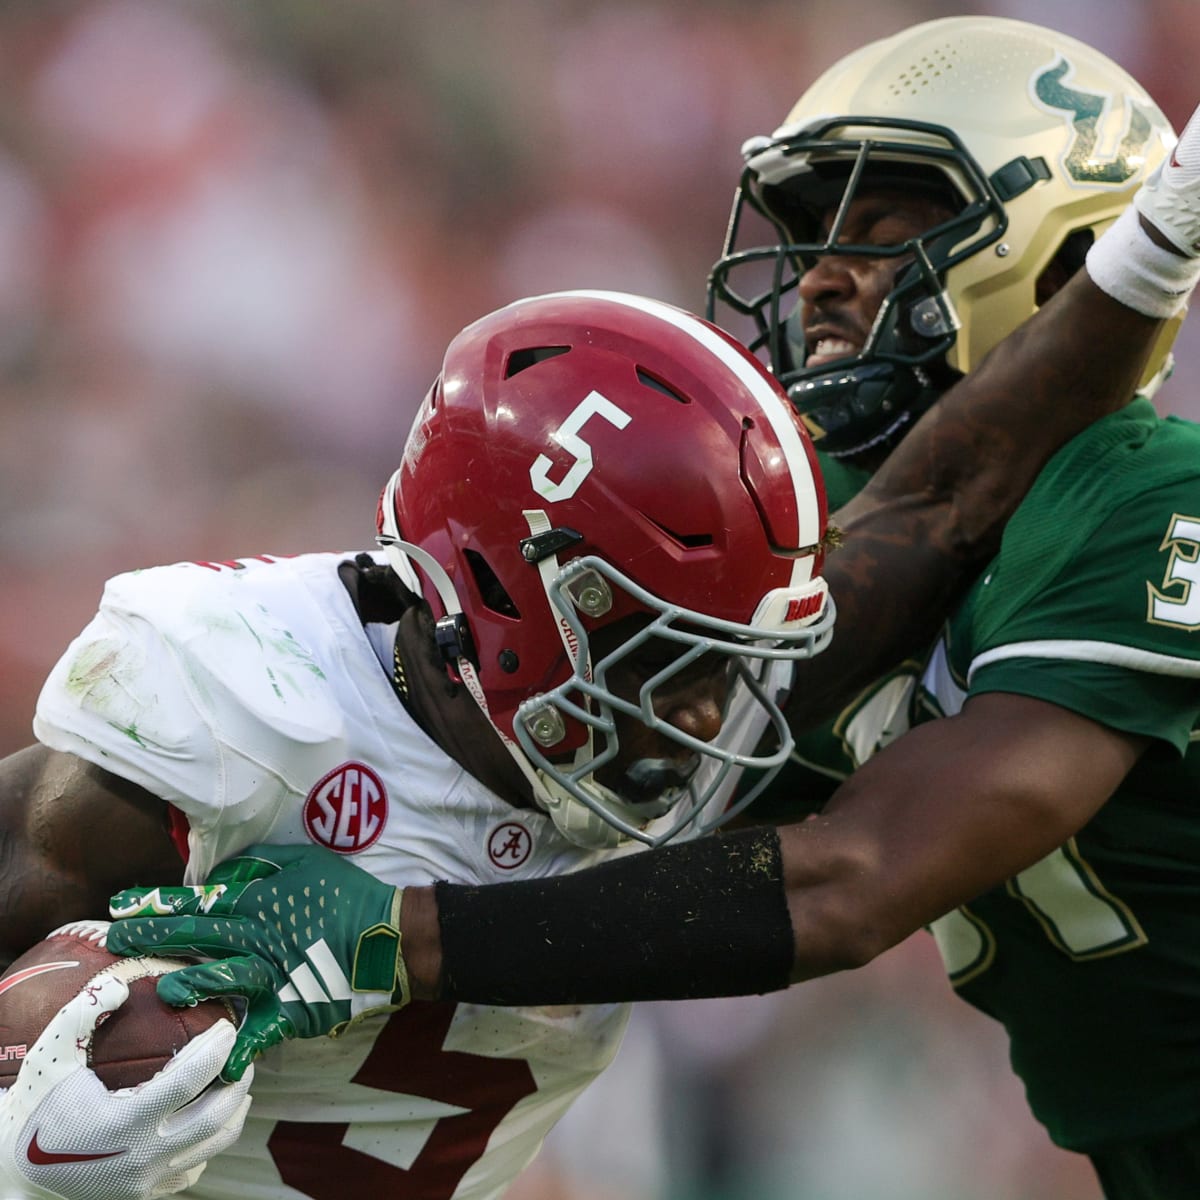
(568, 436)
(733, 357)
(1085, 111)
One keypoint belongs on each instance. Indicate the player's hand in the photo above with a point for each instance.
(309, 940)
(1170, 198)
(64, 1135)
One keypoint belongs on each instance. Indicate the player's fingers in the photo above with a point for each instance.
(195, 936)
(63, 1045)
(254, 863)
(262, 1028)
(188, 1073)
(211, 1123)
(216, 899)
(264, 1024)
(244, 976)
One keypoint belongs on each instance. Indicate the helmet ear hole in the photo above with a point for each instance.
(1068, 258)
(491, 591)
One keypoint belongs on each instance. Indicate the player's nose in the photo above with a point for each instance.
(699, 716)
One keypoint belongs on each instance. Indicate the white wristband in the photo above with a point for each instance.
(1133, 270)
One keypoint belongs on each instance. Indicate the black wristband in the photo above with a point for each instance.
(703, 918)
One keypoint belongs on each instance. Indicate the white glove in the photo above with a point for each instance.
(1131, 266)
(65, 1136)
(1170, 198)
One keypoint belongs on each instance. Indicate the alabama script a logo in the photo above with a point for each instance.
(509, 845)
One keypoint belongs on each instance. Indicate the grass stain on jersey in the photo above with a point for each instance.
(131, 732)
(93, 667)
(98, 679)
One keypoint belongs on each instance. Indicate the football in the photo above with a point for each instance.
(134, 1042)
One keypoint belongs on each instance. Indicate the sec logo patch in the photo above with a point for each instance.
(347, 809)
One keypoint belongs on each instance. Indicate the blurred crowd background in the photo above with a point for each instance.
(235, 236)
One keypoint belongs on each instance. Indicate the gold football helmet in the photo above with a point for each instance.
(1037, 143)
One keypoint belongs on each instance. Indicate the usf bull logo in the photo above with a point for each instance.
(1085, 159)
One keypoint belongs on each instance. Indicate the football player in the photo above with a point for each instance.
(537, 660)
(970, 226)
(1043, 823)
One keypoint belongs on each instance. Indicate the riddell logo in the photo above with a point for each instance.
(797, 610)
(347, 809)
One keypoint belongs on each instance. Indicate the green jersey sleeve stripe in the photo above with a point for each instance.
(1091, 651)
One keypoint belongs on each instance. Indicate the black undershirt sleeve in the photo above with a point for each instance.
(702, 918)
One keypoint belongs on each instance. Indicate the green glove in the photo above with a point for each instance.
(310, 941)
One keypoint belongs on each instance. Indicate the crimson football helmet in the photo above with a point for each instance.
(589, 457)
(1032, 140)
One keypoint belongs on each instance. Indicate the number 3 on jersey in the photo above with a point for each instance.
(1177, 602)
(1078, 914)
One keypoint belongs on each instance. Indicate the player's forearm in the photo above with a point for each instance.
(1077, 359)
(34, 890)
(706, 918)
(70, 834)
(421, 942)
(899, 845)
(1081, 356)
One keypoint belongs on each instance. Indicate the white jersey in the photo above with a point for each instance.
(250, 697)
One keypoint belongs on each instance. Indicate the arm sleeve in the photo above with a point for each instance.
(117, 698)
(703, 918)
(185, 683)
(1158, 706)
(1106, 623)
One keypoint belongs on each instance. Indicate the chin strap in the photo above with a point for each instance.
(575, 821)
(863, 406)
(401, 556)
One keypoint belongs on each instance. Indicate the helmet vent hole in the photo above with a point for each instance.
(521, 360)
(491, 590)
(657, 384)
(922, 73)
(690, 541)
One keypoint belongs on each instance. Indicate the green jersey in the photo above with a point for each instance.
(1091, 958)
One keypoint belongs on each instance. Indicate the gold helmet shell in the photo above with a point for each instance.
(1058, 133)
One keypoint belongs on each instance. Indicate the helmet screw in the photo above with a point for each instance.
(1002, 250)
(546, 726)
(592, 600)
(590, 593)
(508, 661)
